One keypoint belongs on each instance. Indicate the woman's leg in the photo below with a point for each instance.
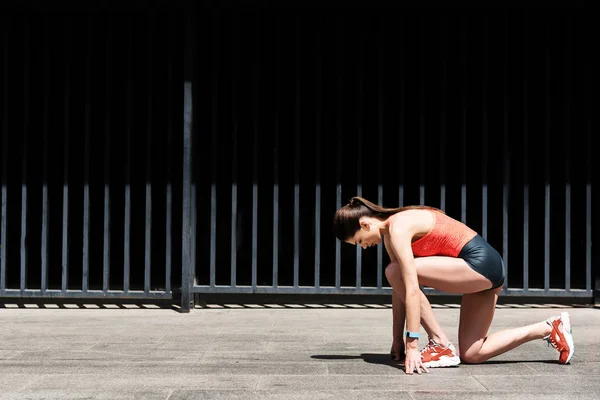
(428, 319)
(476, 313)
(450, 275)
(453, 275)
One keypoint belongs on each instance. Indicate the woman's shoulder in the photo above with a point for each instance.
(413, 219)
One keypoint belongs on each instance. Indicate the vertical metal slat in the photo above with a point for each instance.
(422, 105)
(67, 117)
(318, 121)
(443, 112)
(401, 112)
(26, 71)
(568, 160)
(485, 134)
(568, 237)
(547, 175)
(506, 166)
(234, 155)
(297, 156)
(45, 163)
(85, 262)
(213, 186)
(276, 170)
(339, 145)
(590, 152)
(169, 173)
(463, 131)
(359, 146)
(588, 230)
(234, 220)
(148, 233)
(380, 152)
(525, 171)
(107, 134)
(255, 155)
(5, 114)
(127, 169)
(214, 135)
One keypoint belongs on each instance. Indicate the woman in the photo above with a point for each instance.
(427, 247)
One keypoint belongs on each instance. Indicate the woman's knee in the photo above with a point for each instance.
(392, 271)
(472, 355)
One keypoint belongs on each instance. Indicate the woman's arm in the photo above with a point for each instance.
(400, 239)
(406, 225)
(398, 310)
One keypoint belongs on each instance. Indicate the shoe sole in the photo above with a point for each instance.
(566, 321)
(443, 362)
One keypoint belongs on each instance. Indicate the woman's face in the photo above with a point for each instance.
(368, 235)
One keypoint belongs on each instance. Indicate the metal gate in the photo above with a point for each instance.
(205, 150)
(322, 103)
(91, 144)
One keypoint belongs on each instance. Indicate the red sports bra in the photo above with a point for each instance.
(446, 238)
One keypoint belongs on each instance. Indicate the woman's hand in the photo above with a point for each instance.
(397, 351)
(413, 362)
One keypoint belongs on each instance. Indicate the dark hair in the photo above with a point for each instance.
(346, 220)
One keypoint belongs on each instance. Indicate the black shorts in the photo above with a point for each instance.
(484, 259)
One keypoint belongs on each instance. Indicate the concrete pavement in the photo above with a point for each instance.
(272, 352)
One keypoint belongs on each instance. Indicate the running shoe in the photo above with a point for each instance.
(435, 355)
(561, 337)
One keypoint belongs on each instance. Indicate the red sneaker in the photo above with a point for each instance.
(435, 355)
(561, 337)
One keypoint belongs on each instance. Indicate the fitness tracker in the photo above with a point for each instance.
(413, 335)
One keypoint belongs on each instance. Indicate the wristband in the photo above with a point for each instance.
(413, 335)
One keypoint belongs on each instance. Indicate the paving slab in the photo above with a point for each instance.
(231, 352)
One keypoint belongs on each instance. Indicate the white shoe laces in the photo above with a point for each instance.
(430, 345)
(549, 338)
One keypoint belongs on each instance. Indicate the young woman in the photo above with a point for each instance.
(427, 247)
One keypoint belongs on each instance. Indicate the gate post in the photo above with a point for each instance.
(187, 261)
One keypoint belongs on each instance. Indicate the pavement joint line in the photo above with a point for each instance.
(482, 385)
(91, 347)
(124, 367)
(530, 367)
(165, 334)
(170, 394)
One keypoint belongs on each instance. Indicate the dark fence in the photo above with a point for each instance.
(153, 150)
(486, 114)
(91, 154)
